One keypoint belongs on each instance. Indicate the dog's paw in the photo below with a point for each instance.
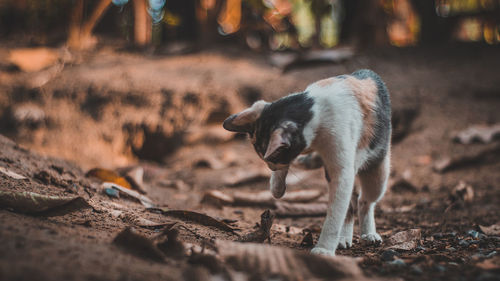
(322, 251)
(345, 242)
(371, 239)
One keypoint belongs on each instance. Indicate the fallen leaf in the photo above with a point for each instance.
(264, 230)
(135, 178)
(133, 242)
(31, 202)
(12, 174)
(308, 240)
(478, 133)
(145, 201)
(244, 176)
(137, 220)
(284, 209)
(264, 261)
(483, 156)
(404, 240)
(195, 217)
(108, 176)
(217, 198)
(491, 230)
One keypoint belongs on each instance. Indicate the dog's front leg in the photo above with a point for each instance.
(340, 190)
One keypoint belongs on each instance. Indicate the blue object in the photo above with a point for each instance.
(111, 192)
(155, 10)
(120, 2)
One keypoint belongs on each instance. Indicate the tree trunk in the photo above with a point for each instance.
(142, 23)
(80, 33)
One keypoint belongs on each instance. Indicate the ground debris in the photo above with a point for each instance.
(264, 230)
(31, 202)
(404, 240)
(285, 209)
(196, 217)
(108, 176)
(308, 240)
(402, 119)
(289, 60)
(483, 156)
(12, 174)
(171, 246)
(462, 193)
(264, 261)
(135, 177)
(261, 198)
(139, 221)
(145, 201)
(137, 244)
(244, 176)
(491, 230)
(478, 133)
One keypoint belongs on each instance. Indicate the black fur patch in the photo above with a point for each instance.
(295, 108)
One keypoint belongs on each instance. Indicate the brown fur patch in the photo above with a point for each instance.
(326, 82)
(365, 91)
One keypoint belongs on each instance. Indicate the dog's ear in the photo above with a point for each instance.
(243, 121)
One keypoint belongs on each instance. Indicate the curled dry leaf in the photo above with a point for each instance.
(491, 230)
(261, 198)
(139, 245)
(108, 176)
(285, 209)
(31, 202)
(264, 230)
(263, 261)
(404, 240)
(135, 178)
(483, 156)
(12, 174)
(244, 176)
(478, 133)
(196, 217)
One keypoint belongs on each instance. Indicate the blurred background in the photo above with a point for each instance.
(134, 92)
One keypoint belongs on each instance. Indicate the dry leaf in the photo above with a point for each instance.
(196, 217)
(491, 230)
(404, 240)
(244, 176)
(478, 133)
(31, 202)
(12, 174)
(145, 201)
(264, 261)
(284, 209)
(217, 198)
(287, 229)
(264, 230)
(446, 164)
(130, 240)
(108, 176)
(135, 178)
(463, 192)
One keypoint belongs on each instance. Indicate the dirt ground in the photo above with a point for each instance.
(109, 109)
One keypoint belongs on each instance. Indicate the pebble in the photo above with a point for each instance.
(421, 248)
(111, 192)
(490, 255)
(473, 233)
(388, 255)
(452, 249)
(397, 263)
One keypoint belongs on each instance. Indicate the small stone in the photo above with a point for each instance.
(451, 249)
(388, 255)
(473, 233)
(415, 269)
(421, 248)
(397, 263)
(111, 192)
